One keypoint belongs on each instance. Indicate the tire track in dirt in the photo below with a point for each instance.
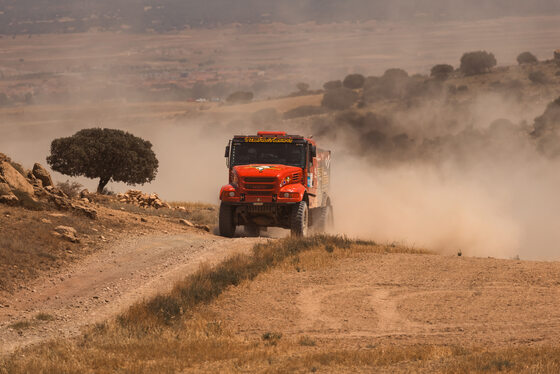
(107, 282)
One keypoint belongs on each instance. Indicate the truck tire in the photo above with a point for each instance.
(226, 224)
(299, 221)
(327, 218)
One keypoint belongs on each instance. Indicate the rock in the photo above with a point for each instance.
(84, 193)
(142, 219)
(186, 223)
(68, 233)
(19, 186)
(87, 211)
(45, 220)
(42, 174)
(9, 199)
(181, 209)
(203, 227)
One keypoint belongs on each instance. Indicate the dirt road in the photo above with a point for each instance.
(105, 283)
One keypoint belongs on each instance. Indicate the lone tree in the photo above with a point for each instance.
(526, 58)
(106, 154)
(478, 62)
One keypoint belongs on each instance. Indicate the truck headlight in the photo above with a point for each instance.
(286, 195)
(231, 194)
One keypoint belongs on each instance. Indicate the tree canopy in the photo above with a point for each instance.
(107, 154)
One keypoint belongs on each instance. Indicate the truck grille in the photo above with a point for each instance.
(259, 186)
(259, 193)
(296, 177)
(259, 179)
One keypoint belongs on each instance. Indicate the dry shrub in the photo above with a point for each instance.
(71, 189)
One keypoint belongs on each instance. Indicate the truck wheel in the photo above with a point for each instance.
(299, 219)
(325, 221)
(252, 230)
(226, 224)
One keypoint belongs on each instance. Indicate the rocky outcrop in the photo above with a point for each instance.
(6, 195)
(18, 184)
(36, 190)
(42, 174)
(136, 197)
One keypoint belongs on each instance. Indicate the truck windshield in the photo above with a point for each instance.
(292, 154)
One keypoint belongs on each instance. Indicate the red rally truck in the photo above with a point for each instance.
(275, 180)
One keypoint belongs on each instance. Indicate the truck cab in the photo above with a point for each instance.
(275, 180)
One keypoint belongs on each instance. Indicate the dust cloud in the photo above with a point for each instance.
(482, 187)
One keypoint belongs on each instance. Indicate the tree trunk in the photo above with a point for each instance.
(102, 183)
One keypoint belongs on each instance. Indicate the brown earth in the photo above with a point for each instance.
(105, 283)
(401, 299)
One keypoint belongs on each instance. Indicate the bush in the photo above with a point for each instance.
(240, 97)
(478, 62)
(106, 154)
(538, 77)
(71, 189)
(302, 87)
(441, 71)
(304, 111)
(339, 99)
(395, 74)
(332, 85)
(526, 58)
(354, 81)
(392, 85)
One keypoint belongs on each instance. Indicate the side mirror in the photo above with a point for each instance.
(227, 151)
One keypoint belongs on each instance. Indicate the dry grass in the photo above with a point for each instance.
(198, 213)
(328, 255)
(176, 333)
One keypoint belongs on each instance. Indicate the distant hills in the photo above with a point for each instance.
(46, 16)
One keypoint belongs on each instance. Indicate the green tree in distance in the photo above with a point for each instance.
(107, 154)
